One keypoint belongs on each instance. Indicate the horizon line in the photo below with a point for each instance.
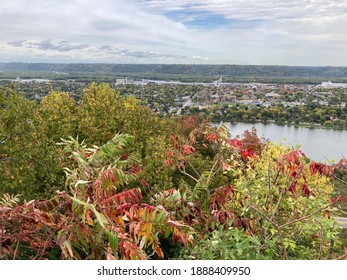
(186, 64)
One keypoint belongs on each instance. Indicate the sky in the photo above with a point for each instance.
(256, 32)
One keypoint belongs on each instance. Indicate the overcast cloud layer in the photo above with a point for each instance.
(277, 32)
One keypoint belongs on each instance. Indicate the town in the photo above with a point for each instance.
(313, 105)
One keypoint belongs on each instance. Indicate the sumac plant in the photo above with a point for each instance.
(280, 200)
(97, 217)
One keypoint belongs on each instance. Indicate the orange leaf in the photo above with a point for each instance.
(89, 219)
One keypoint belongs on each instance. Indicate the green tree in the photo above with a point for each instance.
(58, 111)
(28, 161)
(98, 114)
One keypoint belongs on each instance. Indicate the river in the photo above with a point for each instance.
(317, 144)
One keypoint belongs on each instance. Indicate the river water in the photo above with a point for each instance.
(317, 144)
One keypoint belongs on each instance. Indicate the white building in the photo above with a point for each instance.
(125, 81)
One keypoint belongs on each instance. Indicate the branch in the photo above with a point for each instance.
(321, 241)
(269, 197)
(342, 181)
(277, 228)
(278, 203)
(197, 173)
(212, 174)
(2, 141)
(183, 171)
(344, 257)
(264, 215)
(46, 243)
(307, 216)
(16, 250)
(282, 243)
(293, 217)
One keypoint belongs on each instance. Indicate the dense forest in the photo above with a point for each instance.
(108, 178)
(182, 72)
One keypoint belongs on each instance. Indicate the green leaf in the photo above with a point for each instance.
(74, 205)
(99, 235)
(153, 216)
(113, 240)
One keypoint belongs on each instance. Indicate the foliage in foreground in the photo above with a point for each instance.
(276, 205)
(172, 182)
(280, 200)
(100, 219)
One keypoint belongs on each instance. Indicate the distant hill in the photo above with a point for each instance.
(167, 71)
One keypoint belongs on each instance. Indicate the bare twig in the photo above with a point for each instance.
(46, 244)
(211, 172)
(307, 216)
(282, 243)
(277, 227)
(321, 241)
(269, 198)
(281, 193)
(16, 250)
(183, 171)
(344, 257)
(331, 249)
(196, 172)
(340, 180)
(210, 176)
(264, 215)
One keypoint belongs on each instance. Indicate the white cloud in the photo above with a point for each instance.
(62, 46)
(291, 32)
(68, 52)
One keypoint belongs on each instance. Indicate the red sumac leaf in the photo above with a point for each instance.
(225, 166)
(306, 190)
(187, 149)
(170, 154)
(321, 168)
(292, 187)
(329, 214)
(211, 137)
(174, 141)
(339, 198)
(169, 162)
(237, 144)
(248, 154)
(144, 183)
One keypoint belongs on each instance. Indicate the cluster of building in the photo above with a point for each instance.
(267, 94)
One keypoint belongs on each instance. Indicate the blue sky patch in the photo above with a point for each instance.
(205, 20)
(198, 19)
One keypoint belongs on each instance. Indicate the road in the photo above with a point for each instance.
(341, 221)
